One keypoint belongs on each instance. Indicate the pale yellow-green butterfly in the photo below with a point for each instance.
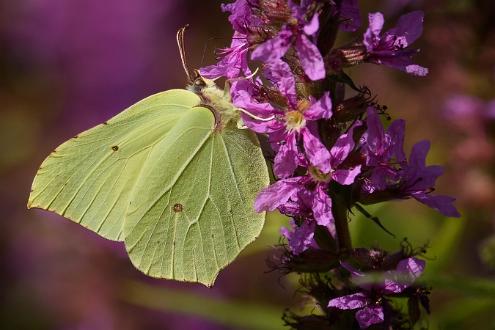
(173, 177)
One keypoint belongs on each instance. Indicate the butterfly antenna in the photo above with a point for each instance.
(182, 51)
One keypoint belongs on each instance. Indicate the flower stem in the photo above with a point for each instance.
(340, 213)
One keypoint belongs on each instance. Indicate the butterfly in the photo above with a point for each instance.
(173, 177)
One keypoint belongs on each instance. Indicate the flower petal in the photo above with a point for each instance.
(372, 34)
(412, 266)
(396, 131)
(320, 109)
(375, 134)
(273, 49)
(343, 146)
(317, 153)
(280, 74)
(443, 204)
(233, 61)
(418, 154)
(241, 15)
(313, 26)
(346, 176)
(407, 271)
(310, 57)
(369, 316)
(277, 194)
(300, 238)
(352, 301)
(417, 70)
(408, 29)
(286, 160)
(322, 207)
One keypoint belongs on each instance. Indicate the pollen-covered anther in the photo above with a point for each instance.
(302, 105)
(318, 175)
(294, 120)
(293, 21)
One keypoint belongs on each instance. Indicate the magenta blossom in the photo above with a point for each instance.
(387, 168)
(310, 192)
(298, 195)
(241, 15)
(298, 33)
(300, 238)
(391, 48)
(383, 151)
(383, 146)
(368, 302)
(233, 60)
(417, 181)
(287, 128)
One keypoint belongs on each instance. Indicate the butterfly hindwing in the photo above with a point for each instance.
(203, 216)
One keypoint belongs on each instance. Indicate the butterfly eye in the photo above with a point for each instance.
(199, 83)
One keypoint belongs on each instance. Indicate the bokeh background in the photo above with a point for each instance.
(68, 65)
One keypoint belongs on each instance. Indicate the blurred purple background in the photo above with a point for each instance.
(68, 65)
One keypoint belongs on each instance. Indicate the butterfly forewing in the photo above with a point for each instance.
(89, 178)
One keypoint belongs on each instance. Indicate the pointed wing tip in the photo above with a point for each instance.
(31, 205)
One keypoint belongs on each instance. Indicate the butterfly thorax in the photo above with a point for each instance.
(218, 100)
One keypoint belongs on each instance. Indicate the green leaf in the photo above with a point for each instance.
(230, 313)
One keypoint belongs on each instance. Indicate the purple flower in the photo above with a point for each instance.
(417, 180)
(388, 169)
(370, 309)
(296, 33)
(391, 48)
(300, 238)
(241, 15)
(233, 61)
(298, 196)
(381, 145)
(383, 150)
(307, 195)
(287, 128)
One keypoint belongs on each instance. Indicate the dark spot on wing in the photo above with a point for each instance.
(115, 148)
(178, 208)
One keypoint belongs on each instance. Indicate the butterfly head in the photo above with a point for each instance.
(198, 83)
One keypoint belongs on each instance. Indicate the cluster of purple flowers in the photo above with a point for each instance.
(331, 153)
